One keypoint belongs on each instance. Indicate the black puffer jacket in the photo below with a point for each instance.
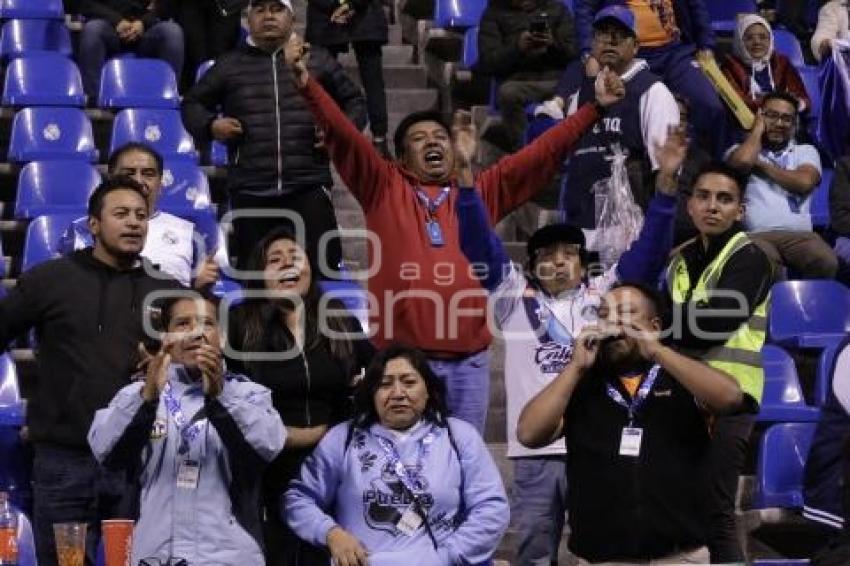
(276, 153)
(368, 24)
(498, 41)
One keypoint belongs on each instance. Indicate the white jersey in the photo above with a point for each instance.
(534, 359)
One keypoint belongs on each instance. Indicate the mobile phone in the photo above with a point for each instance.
(539, 25)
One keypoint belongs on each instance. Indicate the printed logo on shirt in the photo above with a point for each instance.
(553, 357)
(159, 429)
(169, 238)
(386, 500)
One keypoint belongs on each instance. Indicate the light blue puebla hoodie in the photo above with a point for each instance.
(352, 484)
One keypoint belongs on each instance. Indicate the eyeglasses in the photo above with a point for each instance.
(154, 561)
(777, 117)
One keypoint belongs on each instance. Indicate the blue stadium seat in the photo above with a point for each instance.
(32, 10)
(203, 68)
(55, 187)
(138, 83)
(823, 381)
(162, 129)
(51, 133)
(782, 455)
(42, 239)
(787, 44)
(819, 206)
(452, 14)
(352, 296)
(724, 12)
(808, 314)
(469, 57)
(783, 398)
(11, 405)
(46, 79)
(184, 188)
(25, 37)
(809, 74)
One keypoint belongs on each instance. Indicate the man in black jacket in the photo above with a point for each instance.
(115, 26)
(87, 311)
(525, 44)
(276, 156)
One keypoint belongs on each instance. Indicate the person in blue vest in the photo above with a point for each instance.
(635, 124)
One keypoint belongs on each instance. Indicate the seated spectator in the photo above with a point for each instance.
(833, 23)
(754, 68)
(310, 372)
(671, 34)
(525, 45)
(402, 482)
(211, 29)
(276, 158)
(416, 197)
(172, 243)
(196, 439)
(637, 125)
(539, 313)
(783, 175)
(116, 26)
(334, 24)
(626, 405)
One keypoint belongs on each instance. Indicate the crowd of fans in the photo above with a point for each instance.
(274, 428)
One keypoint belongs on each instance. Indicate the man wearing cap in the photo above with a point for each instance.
(635, 125)
(276, 158)
(422, 288)
(539, 313)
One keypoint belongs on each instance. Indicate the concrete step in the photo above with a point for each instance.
(395, 76)
(394, 37)
(406, 100)
(392, 55)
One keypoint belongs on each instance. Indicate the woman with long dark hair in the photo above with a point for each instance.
(402, 482)
(307, 350)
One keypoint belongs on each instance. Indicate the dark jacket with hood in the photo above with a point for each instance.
(498, 41)
(276, 153)
(369, 23)
(88, 320)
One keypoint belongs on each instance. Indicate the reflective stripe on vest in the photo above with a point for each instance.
(740, 355)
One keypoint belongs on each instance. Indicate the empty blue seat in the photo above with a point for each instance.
(451, 14)
(51, 187)
(819, 206)
(138, 83)
(782, 400)
(351, 295)
(808, 314)
(45, 79)
(25, 37)
(42, 238)
(162, 129)
(11, 406)
(184, 188)
(51, 133)
(782, 455)
(787, 44)
(724, 12)
(32, 10)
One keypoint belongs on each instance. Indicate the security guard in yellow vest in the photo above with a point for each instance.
(719, 288)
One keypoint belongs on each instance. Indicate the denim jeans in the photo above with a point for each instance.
(467, 383)
(538, 508)
(99, 41)
(70, 486)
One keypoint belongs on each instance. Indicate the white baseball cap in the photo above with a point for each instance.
(286, 3)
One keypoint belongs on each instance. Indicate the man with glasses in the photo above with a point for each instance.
(637, 125)
(783, 176)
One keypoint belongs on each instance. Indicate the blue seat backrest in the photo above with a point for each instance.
(162, 129)
(49, 187)
(51, 133)
(138, 83)
(24, 37)
(43, 79)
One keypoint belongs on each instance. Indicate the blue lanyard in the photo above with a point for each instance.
(410, 479)
(187, 433)
(432, 205)
(640, 396)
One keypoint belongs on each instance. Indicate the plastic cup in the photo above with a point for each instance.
(70, 543)
(117, 541)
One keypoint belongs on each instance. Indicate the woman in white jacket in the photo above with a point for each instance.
(833, 23)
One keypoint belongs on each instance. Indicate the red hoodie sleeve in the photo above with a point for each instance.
(362, 169)
(516, 178)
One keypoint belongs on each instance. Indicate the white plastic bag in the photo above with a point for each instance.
(618, 218)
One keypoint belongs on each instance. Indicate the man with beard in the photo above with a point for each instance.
(86, 309)
(783, 176)
(421, 281)
(638, 440)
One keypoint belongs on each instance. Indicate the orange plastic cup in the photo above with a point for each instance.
(117, 541)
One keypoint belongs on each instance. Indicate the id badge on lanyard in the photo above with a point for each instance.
(432, 227)
(632, 436)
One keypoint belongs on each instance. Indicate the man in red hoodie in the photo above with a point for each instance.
(422, 290)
